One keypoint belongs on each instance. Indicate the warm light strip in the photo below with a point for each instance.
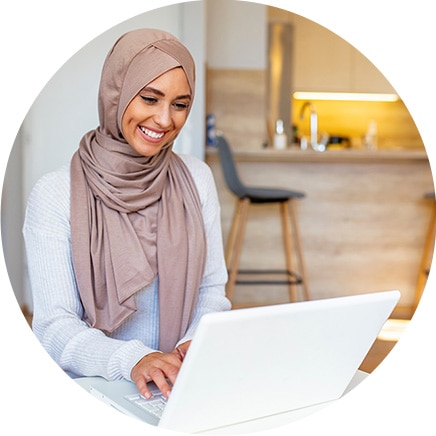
(345, 96)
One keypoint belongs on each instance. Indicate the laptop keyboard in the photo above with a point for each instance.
(155, 405)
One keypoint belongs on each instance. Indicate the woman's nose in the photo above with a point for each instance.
(163, 116)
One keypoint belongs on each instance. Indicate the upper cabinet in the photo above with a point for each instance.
(325, 62)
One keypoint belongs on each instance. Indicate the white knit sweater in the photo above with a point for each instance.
(57, 321)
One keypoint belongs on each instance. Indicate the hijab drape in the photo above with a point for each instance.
(135, 219)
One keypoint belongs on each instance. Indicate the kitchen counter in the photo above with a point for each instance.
(363, 219)
(334, 156)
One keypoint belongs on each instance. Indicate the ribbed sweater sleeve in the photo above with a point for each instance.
(57, 319)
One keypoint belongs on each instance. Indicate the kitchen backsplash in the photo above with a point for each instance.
(237, 99)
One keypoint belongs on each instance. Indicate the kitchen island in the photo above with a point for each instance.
(363, 220)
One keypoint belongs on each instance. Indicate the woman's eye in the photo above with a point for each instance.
(181, 106)
(148, 99)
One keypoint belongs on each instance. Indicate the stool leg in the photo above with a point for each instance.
(232, 233)
(290, 211)
(284, 213)
(236, 237)
(426, 257)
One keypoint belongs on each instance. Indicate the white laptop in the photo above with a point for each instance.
(251, 363)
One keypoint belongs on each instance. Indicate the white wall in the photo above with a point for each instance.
(237, 34)
(11, 219)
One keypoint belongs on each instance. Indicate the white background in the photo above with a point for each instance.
(37, 37)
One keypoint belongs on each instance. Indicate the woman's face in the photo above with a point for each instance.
(157, 113)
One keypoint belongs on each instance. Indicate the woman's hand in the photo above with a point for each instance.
(182, 349)
(161, 368)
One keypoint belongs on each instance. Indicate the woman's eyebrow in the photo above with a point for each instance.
(181, 97)
(161, 94)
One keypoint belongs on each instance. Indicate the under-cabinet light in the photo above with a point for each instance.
(345, 96)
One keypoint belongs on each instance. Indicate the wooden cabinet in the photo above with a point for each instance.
(325, 62)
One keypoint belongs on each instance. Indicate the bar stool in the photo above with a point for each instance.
(427, 252)
(246, 196)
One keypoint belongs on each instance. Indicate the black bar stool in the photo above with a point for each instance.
(246, 196)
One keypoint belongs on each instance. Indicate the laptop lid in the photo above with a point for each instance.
(250, 363)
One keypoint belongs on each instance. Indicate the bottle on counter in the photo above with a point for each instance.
(210, 130)
(370, 139)
(280, 137)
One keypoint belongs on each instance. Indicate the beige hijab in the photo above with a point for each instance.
(135, 218)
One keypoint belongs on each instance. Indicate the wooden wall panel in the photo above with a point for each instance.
(363, 225)
(237, 99)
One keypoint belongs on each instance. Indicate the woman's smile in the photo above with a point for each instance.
(151, 134)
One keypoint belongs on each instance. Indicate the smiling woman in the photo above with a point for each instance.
(124, 246)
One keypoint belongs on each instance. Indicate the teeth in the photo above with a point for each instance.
(153, 135)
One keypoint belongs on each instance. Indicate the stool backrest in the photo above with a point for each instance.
(229, 169)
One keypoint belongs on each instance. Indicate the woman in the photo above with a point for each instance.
(124, 244)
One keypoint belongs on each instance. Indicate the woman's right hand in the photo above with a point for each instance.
(159, 368)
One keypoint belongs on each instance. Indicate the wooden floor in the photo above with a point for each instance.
(376, 354)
